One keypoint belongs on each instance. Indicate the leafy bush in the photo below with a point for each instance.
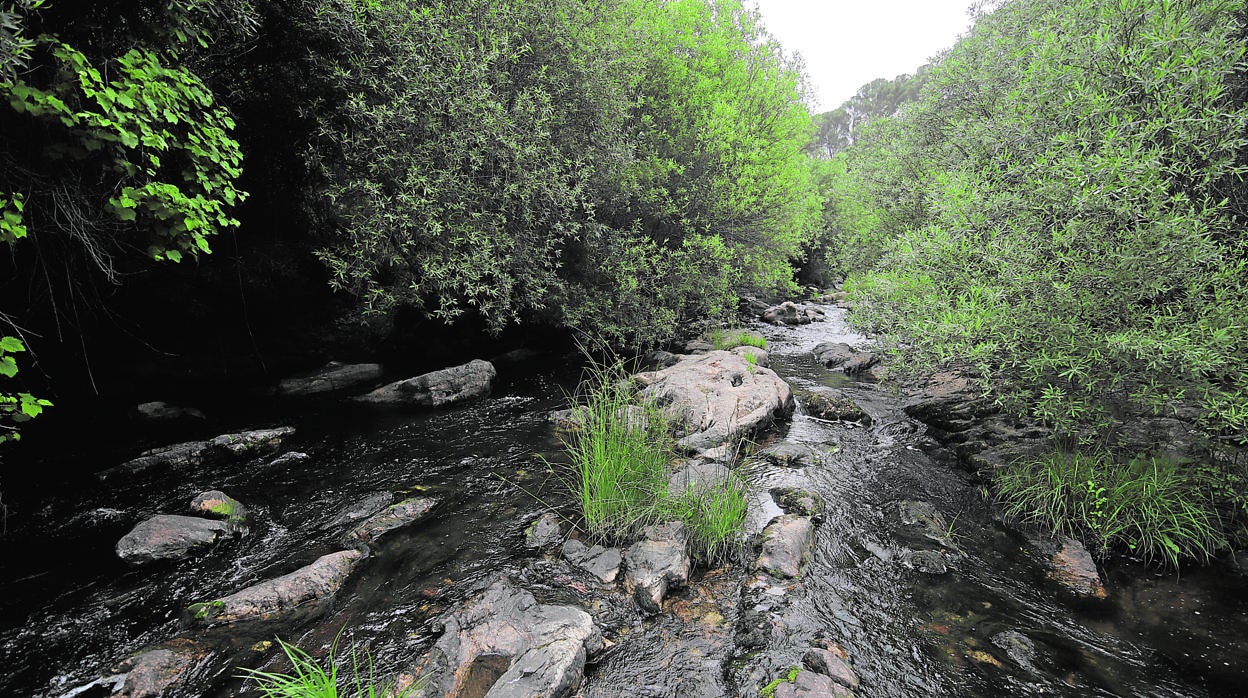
(1153, 506)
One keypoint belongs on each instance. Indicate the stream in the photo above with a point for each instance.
(71, 610)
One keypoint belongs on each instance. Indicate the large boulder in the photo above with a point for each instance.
(717, 397)
(331, 378)
(656, 565)
(406, 512)
(158, 671)
(831, 404)
(276, 596)
(504, 644)
(438, 388)
(700, 478)
(787, 313)
(838, 355)
(186, 453)
(164, 537)
(787, 542)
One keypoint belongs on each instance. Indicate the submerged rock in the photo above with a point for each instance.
(361, 509)
(793, 455)
(793, 500)
(406, 512)
(332, 377)
(437, 388)
(544, 532)
(288, 458)
(165, 536)
(267, 599)
(658, 564)
(176, 455)
(830, 404)
(218, 503)
(603, 563)
(158, 411)
(1018, 647)
(1073, 567)
(504, 644)
(925, 561)
(157, 672)
(787, 542)
(832, 665)
(715, 397)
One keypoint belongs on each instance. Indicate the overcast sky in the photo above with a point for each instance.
(848, 43)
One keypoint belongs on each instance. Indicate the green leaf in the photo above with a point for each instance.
(11, 345)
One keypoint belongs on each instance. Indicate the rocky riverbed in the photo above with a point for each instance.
(426, 539)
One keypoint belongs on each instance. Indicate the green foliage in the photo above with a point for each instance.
(881, 98)
(619, 167)
(733, 338)
(155, 130)
(17, 407)
(311, 679)
(1156, 507)
(1054, 211)
(15, 47)
(714, 516)
(769, 691)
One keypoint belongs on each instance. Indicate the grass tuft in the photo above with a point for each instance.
(733, 338)
(309, 679)
(1157, 507)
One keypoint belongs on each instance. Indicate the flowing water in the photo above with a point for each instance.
(70, 610)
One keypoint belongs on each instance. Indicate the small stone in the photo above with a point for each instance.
(657, 564)
(603, 563)
(1074, 568)
(1018, 647)
(925, 561)
(831, 665)
(288, 458)
(787, 542)
(361, 509)
(793, 455)
(545, 532)
(794, 500)
(404, 513)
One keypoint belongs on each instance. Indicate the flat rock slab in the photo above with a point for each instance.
(504, 644)
(603, 563)
(808, 684)
(438, 388)
(362, 509)
(247, 443)
(405, 513)
(716, 397)
(186, 453)
(658, 564)
(330, 378)
(787, 542)
(166, 536)
(276, 596)
(793, 455)
(838, 355)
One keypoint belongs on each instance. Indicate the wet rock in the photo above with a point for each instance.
(698, 346)
(1018, 647)
(859, 363)
(657, 564)
(219, 504)
(1072, 566)
(815, 314)
(276, 596)
(923, 519)
(438, 388)
(826, 403)
(950, 402)
(361, 509)
(787, 313)
(715, 398)
(157, 672)
(176, 455)
(659, 359)
(794, 500)
(504, 644)
(831, 665)
(787, 542)
(793, 455)
(761, 357)
(289, 458)
(405, 513)
(925, 561)
(157, 411)
(833, 354)
(164, 537)
(603, 563)
(332, 377)
(808, 684)
(247, 443)
(700, 477)
(545, 532)
(569, 420)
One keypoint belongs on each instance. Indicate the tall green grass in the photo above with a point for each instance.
(621, 459)
(311, 679)
(731, 339)
(1157, 507)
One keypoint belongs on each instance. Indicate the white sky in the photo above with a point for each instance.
(848, 43)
